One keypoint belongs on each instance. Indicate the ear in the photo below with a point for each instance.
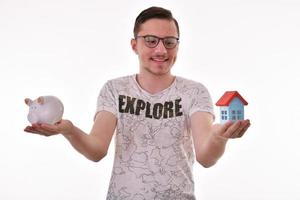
(28, 101)
(134, 45)
(41, 100)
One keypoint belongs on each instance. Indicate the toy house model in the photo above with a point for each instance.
(231, 106)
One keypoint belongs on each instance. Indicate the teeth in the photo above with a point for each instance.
(157, 59)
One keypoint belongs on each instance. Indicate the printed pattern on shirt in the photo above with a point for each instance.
(154, 148)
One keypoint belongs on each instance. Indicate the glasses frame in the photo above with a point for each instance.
(159, 39)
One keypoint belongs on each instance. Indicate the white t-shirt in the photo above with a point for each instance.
(154, 149)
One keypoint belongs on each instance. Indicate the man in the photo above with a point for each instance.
(160, 120)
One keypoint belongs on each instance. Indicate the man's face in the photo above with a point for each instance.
(157, 60)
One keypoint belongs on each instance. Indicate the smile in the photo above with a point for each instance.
(159, 59)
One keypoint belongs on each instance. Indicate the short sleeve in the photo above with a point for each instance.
(201, 101)
(107, 100)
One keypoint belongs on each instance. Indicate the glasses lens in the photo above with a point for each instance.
(151, 41)
(170, 42)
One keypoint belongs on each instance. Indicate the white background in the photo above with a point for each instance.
(70, 48)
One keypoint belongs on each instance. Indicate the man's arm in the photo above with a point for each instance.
(210, 139)
(94, 146)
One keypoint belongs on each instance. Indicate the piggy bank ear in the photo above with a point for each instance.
(40, 100)
(28, 101)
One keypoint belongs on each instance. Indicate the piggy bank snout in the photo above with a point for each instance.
(32, 118)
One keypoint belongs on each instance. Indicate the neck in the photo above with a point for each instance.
(154, 83)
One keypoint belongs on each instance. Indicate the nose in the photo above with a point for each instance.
(160, 48)
(32, 118)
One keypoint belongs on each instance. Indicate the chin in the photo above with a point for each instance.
(159, 72)
(158, 69)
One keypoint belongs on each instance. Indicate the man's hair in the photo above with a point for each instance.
(153, 13)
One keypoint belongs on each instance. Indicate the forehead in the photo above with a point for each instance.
(158, 27)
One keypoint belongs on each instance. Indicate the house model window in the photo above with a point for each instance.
(231, 106)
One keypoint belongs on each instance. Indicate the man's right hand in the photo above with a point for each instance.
(64, 127)
(94, 146)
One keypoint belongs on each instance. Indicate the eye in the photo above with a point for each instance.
(151, 40)
(170, 42)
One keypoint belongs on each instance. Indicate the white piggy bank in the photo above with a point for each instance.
(45, 109)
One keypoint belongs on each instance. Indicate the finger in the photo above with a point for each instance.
(30, 129)
(241, 130)
(50, 128)
(232, 129)
(38, 128)
(237, 132)
(57, 123)
(27, 128)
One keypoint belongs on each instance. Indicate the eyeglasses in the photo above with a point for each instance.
(152, 41)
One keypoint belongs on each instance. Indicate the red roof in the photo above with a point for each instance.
(228, 97)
